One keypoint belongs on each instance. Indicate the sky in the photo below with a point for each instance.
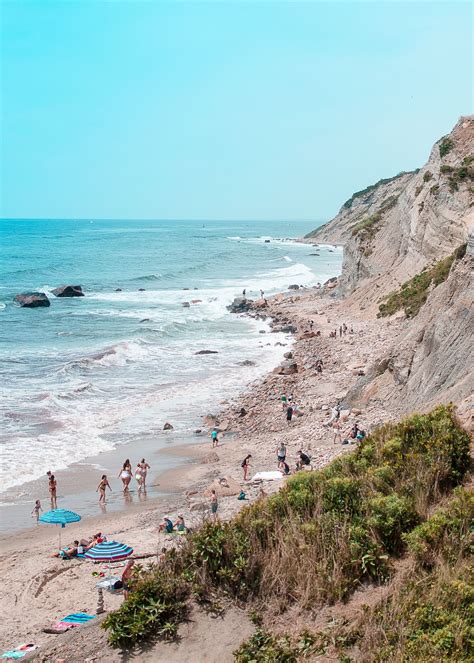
(221, 110)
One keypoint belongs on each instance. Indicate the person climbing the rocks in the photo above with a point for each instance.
(303, 460)
(245, 465)
(281, 455)
(319, 366)
(289, 413)
(335, 414)
(344, 328)
(284, 401)
(340, 330)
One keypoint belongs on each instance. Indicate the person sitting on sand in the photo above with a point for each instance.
(245, 464)
(286, 469)
(36, 510)
(304, 460)
(179, 524)
(68, 552)
(166, 525)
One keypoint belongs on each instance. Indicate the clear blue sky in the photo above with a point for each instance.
(232, 110)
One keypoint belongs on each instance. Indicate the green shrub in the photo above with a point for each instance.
(427, 176)
(368, 190)
(315, 540)
(414, 293)
(434, 189)
(445, 146)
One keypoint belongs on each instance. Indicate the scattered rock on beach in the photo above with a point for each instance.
(211, 457)
(240, 305)
(288, 355)
(288, 367)
(68, 291)
(242, 412)
(32, 299)
(167, 426)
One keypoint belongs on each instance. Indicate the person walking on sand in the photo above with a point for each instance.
(104, 482)
(139, 477)
(126, 577)
(36, 510)
(53, 487)
(144, 471)
(214, 504)
(245, 465)
(126, 475)
(215, 438)
(281, 455)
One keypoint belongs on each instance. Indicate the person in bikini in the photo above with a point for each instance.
(144, 471)
(104, 482)
(53, 486)
(126, 475)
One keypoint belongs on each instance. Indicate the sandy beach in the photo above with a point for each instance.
(39, 590)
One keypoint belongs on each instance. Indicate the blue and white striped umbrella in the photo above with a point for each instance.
(109, 551)
(59, 517)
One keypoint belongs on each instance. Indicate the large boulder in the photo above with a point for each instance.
(293, 286)
(288, 367)
(32, 299)
(240, 305)
(68, 291)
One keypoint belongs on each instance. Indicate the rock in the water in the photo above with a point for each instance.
(196, 301)
(267, 241)
(167, 426)
(288, 329)
(288, 355)
(247, 362)
(32, 299)
(206, 352)
(294, 286)
(118, 289)
(68, 291)
(141, 289)
(198, 431)
(240, 305)
(186, 305)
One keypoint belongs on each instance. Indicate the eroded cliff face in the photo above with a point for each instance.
(392, 231)
(390, 234)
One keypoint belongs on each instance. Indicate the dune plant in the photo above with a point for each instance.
(314, 541)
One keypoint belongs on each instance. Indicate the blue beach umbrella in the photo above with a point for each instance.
(109, 551)
(60, 517)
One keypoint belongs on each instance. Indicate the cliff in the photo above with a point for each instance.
(393, 231)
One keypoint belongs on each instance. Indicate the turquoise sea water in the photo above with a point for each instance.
(90, 373)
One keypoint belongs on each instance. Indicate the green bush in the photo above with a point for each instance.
(445, 146)
(315, 540)
(414, 293)
(427, 176)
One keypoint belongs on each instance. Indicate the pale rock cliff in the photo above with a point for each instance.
(390, 233)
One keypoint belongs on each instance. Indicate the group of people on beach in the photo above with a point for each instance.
(141, 472)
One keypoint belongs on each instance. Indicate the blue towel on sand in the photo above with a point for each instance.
(78, 618)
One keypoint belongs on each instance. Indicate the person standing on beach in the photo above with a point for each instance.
(139, 477)
(126, 475)
(281, 455)
(214, 438)
(337, 431)
(126, 577)
(214, 504)
(104, 482)
(245, 465)
(36, 510)
(144, 471)
(53, 486)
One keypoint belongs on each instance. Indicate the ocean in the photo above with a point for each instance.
(90, 373)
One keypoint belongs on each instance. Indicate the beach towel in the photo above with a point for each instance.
(19, 652)
(77, 618)
(268, 476)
